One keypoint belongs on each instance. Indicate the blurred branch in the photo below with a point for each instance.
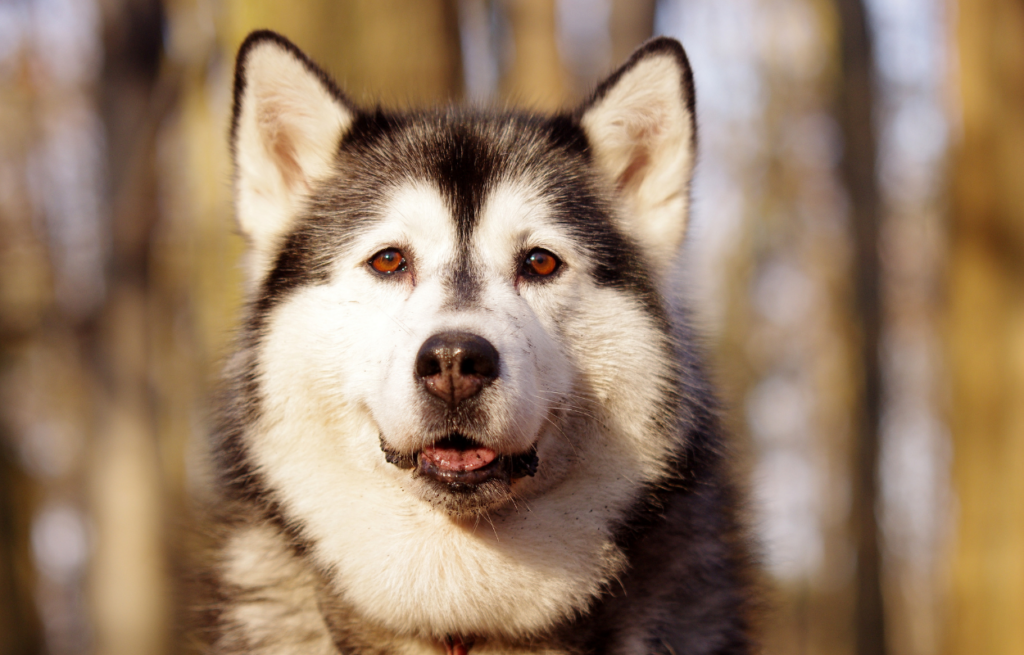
(856, 115)
(20, 631)
(631, 23)
(537, 78)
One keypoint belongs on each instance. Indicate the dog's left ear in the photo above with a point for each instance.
(642, 133)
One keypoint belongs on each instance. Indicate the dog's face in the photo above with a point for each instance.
(446, 298)
(452, 292)
(452, 312)
(445, 340)
(451, 315)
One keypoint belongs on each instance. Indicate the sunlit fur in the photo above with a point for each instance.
(624, 540)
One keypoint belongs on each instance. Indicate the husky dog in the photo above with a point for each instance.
(464, 414)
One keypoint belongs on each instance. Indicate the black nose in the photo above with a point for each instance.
(456, 365)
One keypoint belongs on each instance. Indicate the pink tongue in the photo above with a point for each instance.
(451, 459)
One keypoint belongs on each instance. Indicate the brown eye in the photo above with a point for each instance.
(388, 261)
(540, 263)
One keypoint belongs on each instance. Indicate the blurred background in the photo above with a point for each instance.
(856, 258)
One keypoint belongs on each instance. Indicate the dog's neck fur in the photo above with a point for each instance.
(284, 606)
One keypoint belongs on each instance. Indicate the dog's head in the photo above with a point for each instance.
(462, 305)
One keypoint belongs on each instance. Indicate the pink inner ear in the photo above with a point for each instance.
(284, 153)
(642, 134)
(638, 162)
(280, 145)
(282, 149)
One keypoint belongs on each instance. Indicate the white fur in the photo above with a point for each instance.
(281, 617)
(288, 130)
(337, 365)
(642, 135)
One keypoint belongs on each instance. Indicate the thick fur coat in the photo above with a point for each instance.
(465, 413)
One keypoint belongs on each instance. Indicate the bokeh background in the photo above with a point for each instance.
(856, 259)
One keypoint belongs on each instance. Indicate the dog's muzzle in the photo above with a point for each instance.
(454, 367)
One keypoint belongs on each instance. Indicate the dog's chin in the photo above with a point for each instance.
(462, 477)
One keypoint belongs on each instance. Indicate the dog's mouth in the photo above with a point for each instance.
(462, 464)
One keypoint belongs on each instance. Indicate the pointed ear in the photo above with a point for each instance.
(289, 118)
(641, 128)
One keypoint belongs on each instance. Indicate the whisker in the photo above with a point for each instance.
(563, 434)
(487, 517)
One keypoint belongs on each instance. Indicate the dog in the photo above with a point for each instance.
(465, 413)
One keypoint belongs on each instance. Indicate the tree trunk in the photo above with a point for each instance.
(985, 332)
(856, 116)
(128, 587)
(536, 77)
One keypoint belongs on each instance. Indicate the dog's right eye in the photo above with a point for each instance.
(540, 263)
(388, 261)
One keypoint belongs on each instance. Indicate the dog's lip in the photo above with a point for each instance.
(462, 463)
(456, 454)
(462, 478)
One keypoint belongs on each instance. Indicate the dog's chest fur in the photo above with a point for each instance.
(465, 414)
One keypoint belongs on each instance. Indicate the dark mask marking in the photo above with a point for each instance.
(462, 165)
(463, 285)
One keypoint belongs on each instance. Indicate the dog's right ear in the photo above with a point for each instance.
(288, 120)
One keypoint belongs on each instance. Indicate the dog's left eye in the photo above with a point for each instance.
(388, 261)
(540, 263)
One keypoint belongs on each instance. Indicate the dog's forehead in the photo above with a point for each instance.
(414, 214)
(462, 155)
(454, 182)
(511, 214)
